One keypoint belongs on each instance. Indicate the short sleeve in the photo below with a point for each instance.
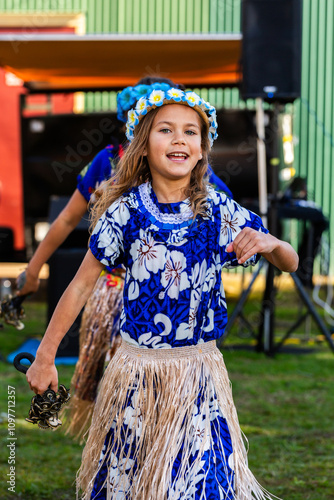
(97, 171)
(234, 218)
(106, 241)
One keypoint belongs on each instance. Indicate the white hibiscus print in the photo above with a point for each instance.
(174, 277)
(152, 341)
(210, 279)
(117, 480)
(109, 238)
(233, 218)
(231, 461)
(149, 340)
(122, 215)
(132, 200)
(201, 434)
(221, 298)
(186, 330)
(133, 290)
(230, 225)
(133, 416)
(234, 206)
(185, 487)
(119, 211)
(148, 256)
(216, 197)
(214, 408)
(177, 237)
(209, 321)
(218, 266)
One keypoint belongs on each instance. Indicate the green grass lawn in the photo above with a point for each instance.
(285, 406)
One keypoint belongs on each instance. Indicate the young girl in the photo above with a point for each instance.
(164, 424)
(99, 329)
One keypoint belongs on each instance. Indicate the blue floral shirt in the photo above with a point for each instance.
(173, 291)
(98, 170)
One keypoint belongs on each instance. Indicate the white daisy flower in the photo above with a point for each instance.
(192, 98)
(132, 117)
(156, 98)
(141, 106)
(174, 94)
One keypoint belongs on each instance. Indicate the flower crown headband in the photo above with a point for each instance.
(130, 95)
(157, 95)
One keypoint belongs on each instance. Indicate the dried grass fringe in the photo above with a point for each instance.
(167, 382)
(99, 337)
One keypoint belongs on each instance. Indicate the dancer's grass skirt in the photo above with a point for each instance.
(163, 411)
(99, 338)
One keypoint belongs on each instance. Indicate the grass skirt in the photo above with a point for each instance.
(157, 434)
(99, 338)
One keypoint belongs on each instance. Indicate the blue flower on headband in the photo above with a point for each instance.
(161, 93)
(160, 86)
(130, 95)
(141, 90)
(125, 100)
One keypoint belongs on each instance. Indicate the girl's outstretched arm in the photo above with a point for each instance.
(43, 372)
(279, 253)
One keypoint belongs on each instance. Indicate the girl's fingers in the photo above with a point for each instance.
(249, 242)
(247, 256)
(244, 246)
(54, 386)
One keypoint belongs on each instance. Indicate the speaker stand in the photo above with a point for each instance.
(265, 337)
(310, 311)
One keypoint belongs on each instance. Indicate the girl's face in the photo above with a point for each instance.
(174, 144)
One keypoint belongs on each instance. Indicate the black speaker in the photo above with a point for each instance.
(271, 49)
(78, 238)
(63, 265)
(6, 244)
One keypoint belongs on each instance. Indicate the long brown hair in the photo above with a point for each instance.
(133, 170)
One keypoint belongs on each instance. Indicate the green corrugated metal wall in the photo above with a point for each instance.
(164, 16)
(313, 113)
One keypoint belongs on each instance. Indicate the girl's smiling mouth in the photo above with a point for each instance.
(177, 156)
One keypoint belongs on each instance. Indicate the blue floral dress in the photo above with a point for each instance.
(173, 298)
(173, 291)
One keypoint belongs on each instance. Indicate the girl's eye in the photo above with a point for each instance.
(165, 130)
(190, 132)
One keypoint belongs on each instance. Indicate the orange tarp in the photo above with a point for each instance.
(72, 62)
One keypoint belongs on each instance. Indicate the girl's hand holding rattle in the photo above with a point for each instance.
(249, 242)
(42, 375)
